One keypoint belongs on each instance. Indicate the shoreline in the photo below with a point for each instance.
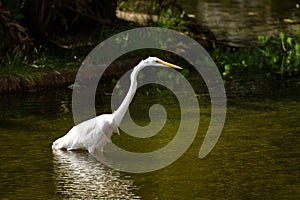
(42, 80)
(55, 78)
(59, 78)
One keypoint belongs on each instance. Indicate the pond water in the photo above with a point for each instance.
(241, 22)
(256, 157)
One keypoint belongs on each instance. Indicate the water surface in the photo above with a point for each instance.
(241, 22)
(256, 157)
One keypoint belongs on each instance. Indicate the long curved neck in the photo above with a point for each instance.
(120, 112)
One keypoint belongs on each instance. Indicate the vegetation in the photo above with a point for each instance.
(165, 13)
(58, 34)
(61, 33)
(271, 56)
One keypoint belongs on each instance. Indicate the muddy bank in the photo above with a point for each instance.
(41, 80)
(47, 79)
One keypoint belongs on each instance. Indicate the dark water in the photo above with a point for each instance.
(241, 22)
(256, 157)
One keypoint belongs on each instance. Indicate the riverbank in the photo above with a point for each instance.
(47, 79)
(247, 71)
(244, 72)
(43, 79)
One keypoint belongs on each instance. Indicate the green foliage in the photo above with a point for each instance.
(41, 58)
(14, 65)
(169, 18)
(271, 56)
(185, 72)
(166, 14)
(284, 54)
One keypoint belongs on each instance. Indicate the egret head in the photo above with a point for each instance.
(154, 61)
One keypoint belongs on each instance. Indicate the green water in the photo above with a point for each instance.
(256, 157)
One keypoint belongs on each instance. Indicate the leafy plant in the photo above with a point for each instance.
(271, 56)
(284, 54)
(169, 18)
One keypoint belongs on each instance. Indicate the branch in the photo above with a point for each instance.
(17, 35)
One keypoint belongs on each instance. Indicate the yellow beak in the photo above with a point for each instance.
(168, 64)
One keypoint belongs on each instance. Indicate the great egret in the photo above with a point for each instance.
(93, 134)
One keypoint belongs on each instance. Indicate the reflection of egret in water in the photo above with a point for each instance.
(79, 175)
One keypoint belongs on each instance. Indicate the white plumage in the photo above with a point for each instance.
(94, 133)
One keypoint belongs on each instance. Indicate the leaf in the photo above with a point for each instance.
(227, 68)
(289, 41)
(275, 59)
(261, 39)
(282, 35)
(288, 20)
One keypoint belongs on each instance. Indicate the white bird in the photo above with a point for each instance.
(94, 133)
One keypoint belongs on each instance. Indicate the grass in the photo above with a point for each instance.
(23, 64)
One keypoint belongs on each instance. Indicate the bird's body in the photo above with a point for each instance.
(89, 135)
(94, 133)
